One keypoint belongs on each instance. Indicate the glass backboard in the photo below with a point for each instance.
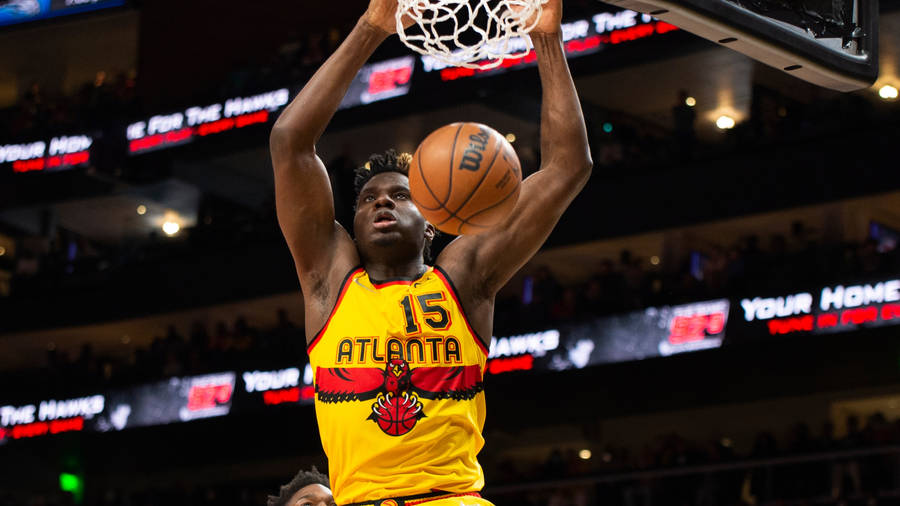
(832, 43)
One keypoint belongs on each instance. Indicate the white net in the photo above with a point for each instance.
(476, 34)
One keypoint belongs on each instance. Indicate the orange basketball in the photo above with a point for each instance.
(465, 178)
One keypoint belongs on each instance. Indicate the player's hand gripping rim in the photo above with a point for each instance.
(550, 20)
(382, 14)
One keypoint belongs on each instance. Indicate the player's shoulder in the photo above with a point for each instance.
(458, 262)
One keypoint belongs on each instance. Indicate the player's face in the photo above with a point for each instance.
(312, 495)
(386, 215)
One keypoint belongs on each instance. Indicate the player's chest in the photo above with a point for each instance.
(421, 325)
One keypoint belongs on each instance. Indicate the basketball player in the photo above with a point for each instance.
(399, 347)
(308, 488)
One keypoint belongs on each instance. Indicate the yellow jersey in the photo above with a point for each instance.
(399, 393)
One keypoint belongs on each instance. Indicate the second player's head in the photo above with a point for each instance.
(308, 488)
(387, 224)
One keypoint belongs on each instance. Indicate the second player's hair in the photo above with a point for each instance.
(302, 479)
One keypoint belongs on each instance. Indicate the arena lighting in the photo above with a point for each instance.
(584, 454)
(654, 260)
(171, 228)
(2, 251)
(511, 137)
(725, 122)
(690, 101)
(887, 92)
(142, 209)
(607, 127)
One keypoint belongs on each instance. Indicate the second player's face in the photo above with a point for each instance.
(386, 215)
(312, 495)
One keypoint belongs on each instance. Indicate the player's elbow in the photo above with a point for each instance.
(586, 165)
(285, 142)
(582, 168)
(279, 140)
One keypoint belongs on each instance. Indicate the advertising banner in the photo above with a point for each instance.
(262, 388)
(380, 81)
(580, 37)
(652, 332)
(170, 401)
(168, 130)
(376, 81)
(57, 153)
(831, 309)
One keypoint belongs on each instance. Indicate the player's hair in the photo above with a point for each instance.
(389, 161)
(302, 479)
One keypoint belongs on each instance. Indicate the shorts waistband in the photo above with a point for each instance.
(412, 500)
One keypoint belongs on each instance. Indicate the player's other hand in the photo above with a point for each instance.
(551, 18)
(383, 14)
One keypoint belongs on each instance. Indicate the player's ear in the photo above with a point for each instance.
(429, 232)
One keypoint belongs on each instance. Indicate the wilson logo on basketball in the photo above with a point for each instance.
(473, 154)
(397, 389)
(464, 178)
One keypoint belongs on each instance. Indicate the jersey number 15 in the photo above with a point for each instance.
(436, 315)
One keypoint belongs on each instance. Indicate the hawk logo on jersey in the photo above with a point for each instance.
(397, 389)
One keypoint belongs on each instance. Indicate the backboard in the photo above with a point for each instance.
(831, 43)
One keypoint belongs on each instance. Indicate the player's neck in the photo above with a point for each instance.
(382, 271)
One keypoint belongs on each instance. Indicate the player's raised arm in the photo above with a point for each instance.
(302, 191)
(494, 256)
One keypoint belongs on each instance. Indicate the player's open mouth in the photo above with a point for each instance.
(384, 220)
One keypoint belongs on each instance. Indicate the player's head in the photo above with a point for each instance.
(386, 218)
(308, 488)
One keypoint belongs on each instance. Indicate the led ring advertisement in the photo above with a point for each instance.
(651, 332)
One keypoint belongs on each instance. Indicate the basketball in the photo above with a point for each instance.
(465, 178)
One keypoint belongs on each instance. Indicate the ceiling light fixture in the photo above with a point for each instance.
(171, 228)
(725, 122)
(887, 92)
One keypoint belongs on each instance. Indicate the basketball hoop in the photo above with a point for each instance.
(477, 34)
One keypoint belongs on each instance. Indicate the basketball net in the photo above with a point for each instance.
(477, 34)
